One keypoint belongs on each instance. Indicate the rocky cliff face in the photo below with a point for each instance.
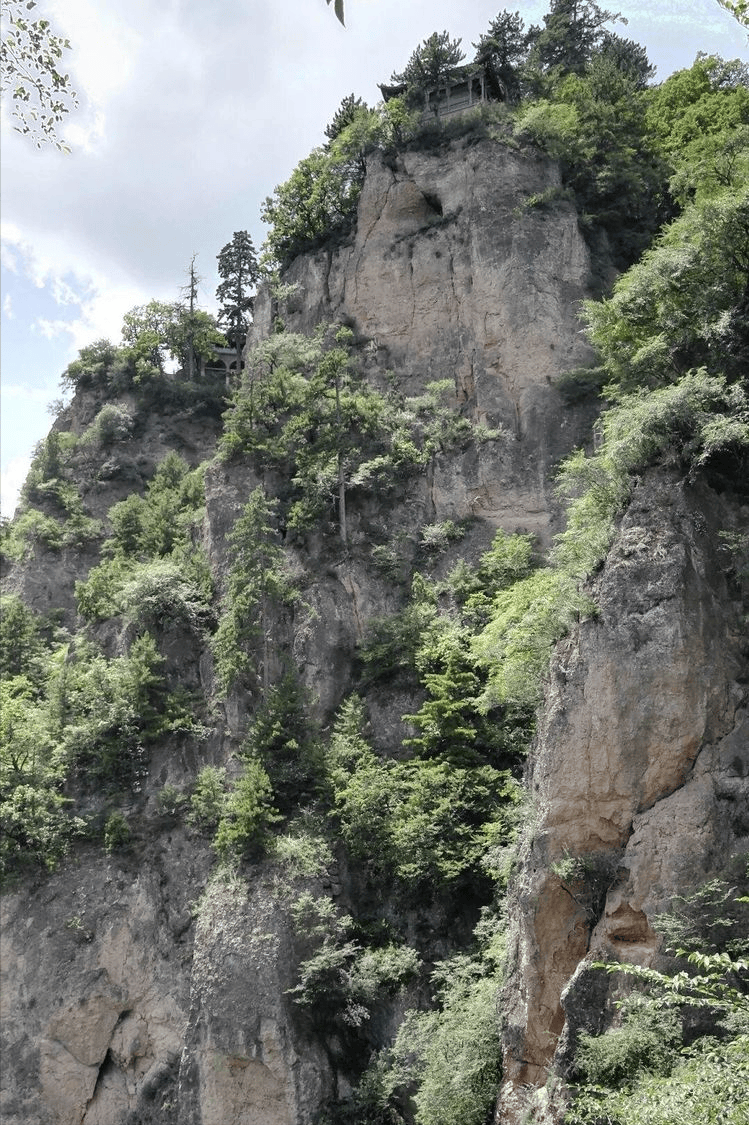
(454, 274)
(641, 771)
(138, 990)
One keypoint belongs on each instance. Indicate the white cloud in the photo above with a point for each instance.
(8, 306)
(13, 476)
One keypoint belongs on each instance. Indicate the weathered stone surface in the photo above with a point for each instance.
(92, 975)
(642, 763)
(117, 1007)
(243, 1059)
(453, 276)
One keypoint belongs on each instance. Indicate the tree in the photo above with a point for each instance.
(685, 303)
(627, 57)
(573, 29)
(344, 115)
(256, 579)
(160, 330)
(432, 62)
(502, 50)
(317, 198)
(30, 54)
(239, 273)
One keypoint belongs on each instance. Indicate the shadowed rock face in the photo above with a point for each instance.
(642, 767)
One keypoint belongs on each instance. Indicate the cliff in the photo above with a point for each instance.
(139, 986)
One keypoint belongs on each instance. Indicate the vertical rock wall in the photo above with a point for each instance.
(120, 1007)
(641, 769)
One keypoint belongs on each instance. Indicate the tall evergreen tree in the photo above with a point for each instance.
(432, 62)
(344, 115)
(502, 49)
(239, 273)
(572, 31)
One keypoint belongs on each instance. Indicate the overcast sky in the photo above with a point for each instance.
(191, 112)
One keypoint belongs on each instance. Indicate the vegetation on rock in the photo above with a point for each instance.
(424, 819)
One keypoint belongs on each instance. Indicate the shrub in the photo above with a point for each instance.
(208, 799)
(116, 832)
(708, 1086)
(303, 854)
(113, 423)
(342, 982)
(283, 738)
(158, 593)
(527, 619)
(248, 815)
(20, 639)
(258, 581)
(453, 1053)
(426, 823)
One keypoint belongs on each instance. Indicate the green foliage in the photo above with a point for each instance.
(457, 1055)
(639, 1073)
(305, 412)
(284, 740)
(444, 1062)
(113, 423)
(700, 117)
(20, 640)
(708, 1086)
(116, 832)
(526, 621)
(341, 982)
(346, 113)
(683, 305)
(572, 33)
(239, 273)
(30, 55)
(208, 799)
(35, 827)
(426, 822)
(159, 331)
(437, 537)
(648, 1041)
(153, 573)
(698, 423)
(711, 919)
(587, 878)
(104, 714)
(157, 594)
(319, 200)
(93, 368)
(248, 815)
(302, 853)
(595, 124)
(738, 8)
(434, 61)
(258, 580)
(502, 49)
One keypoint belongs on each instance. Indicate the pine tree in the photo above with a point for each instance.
(434, 61)
(238, 269)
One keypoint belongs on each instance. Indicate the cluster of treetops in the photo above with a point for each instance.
(633, 156)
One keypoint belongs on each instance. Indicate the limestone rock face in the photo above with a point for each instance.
(95, 991)
(136, 991)
(642, 771)
(453, 275)
(243, 1060)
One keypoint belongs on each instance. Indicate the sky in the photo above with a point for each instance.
(190, 114)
